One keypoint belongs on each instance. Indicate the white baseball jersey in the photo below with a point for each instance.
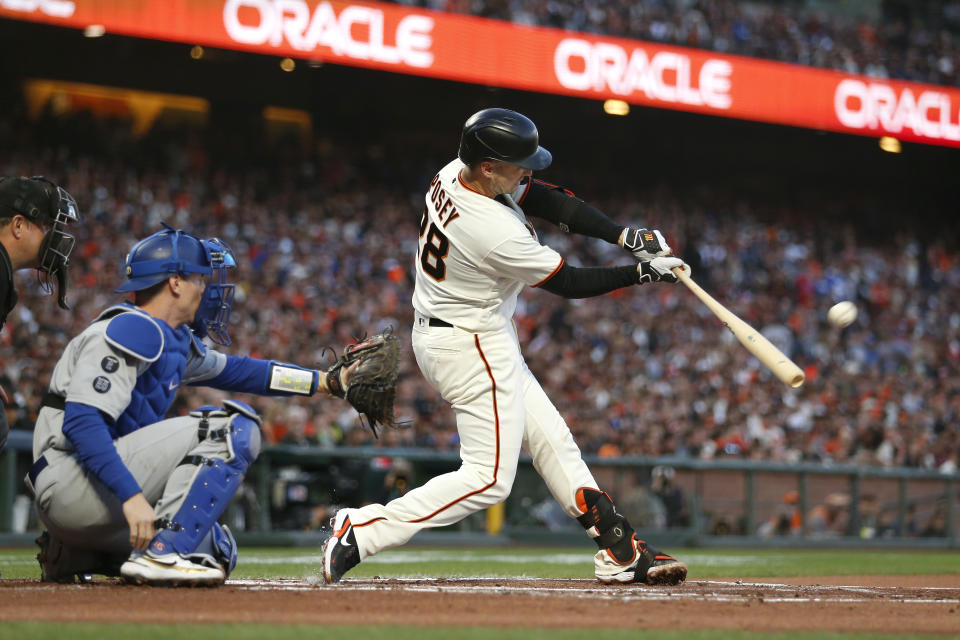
(475, 255)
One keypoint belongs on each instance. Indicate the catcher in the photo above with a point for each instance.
(121, 490)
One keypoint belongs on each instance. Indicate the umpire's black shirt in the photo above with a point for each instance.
(8, 300)
(8, 295)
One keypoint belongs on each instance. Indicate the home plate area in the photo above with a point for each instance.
(877, 604)
(692, 590)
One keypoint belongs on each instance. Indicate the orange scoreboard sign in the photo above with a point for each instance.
(491, 52)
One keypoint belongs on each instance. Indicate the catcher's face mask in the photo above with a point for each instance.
(213, 315)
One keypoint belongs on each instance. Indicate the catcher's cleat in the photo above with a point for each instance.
(169, 570)
(52, 557)
(340, 552)
(62, 564)
(647, 565)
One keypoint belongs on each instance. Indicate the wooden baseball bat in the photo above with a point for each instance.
(781, 366)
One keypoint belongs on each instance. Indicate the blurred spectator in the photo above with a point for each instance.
(298, 430)
(397, 481)
(936, 526)
(786, 521)
(830, 518)
(671, 495)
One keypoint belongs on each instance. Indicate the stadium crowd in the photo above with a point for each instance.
(919, 45)
(326, 236)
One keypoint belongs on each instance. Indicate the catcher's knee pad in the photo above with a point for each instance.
(609, 529)
(217, 548)
(214, 483)
(244, 435)
(241, 433)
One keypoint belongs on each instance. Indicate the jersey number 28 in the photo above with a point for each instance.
(433, 249)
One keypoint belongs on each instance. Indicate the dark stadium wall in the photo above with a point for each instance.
(594, 151)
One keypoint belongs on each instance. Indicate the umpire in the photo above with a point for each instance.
(34, 214)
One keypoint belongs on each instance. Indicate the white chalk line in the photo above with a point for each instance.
(701, 590)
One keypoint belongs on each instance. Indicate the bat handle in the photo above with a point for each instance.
(682, 273)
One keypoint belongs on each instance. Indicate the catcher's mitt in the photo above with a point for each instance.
(372, 386)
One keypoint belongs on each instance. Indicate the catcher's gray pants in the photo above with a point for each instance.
(80, 510)
(500, 408)
(4, 426)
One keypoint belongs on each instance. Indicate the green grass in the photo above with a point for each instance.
(562, 563)
(89, 631)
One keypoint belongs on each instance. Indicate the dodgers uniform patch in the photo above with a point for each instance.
(110, 364)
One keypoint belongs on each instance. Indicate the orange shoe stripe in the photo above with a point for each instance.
(581, 502)
(343, 529)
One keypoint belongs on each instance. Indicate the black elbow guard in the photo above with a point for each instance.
(552, 203)
(570, 213)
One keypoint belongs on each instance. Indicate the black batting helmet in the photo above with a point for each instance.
(502, 134)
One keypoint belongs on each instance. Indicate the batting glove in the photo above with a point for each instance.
(660, 270)
(645, 244)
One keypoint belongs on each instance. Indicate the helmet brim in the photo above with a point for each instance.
(141, 283)
(539, 161)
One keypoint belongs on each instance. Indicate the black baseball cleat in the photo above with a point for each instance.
(49, 558)
(664, 569)
(62, 564)
(340, 552)
(645, 564)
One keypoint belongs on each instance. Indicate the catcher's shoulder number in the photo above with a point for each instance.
(434, 247)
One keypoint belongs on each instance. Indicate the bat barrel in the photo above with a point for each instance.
(774, 359)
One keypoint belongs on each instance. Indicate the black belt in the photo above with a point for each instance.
(437, 322)
(53, 400)
(36, 468)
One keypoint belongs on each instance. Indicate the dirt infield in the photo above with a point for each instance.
(890, 604)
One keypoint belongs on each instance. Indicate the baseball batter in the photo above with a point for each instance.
(121, 490)
(476, 253)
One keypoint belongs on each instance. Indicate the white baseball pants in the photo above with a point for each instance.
(500, 407)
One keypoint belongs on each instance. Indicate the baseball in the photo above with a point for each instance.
(842, 314)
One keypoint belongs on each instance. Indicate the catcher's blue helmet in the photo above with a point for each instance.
(173, 251)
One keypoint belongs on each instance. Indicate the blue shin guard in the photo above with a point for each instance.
(213, 485)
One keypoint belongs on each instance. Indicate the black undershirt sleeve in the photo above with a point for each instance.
(586, 282)
(570, 213)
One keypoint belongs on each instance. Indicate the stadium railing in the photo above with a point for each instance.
(727, 502)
